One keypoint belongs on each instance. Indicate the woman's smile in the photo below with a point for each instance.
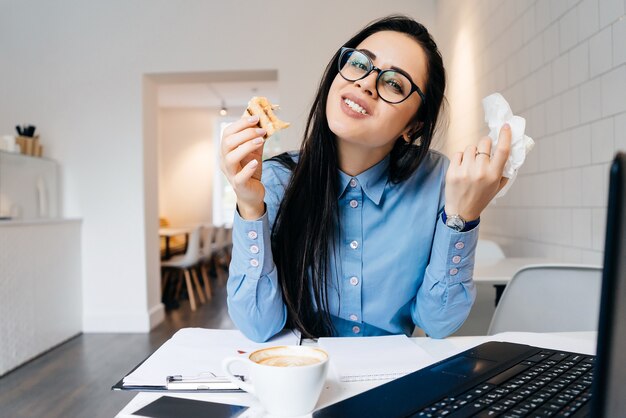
(354, 107)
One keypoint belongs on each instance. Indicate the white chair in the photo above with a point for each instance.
(487, 250)
(217, 254)
(228, 244)
(185, 263)
(208, 236)
(550, 298)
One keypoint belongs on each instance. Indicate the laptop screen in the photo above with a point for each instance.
(609, 399)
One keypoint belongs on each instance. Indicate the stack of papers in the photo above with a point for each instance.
(374, 358)
(198, 351)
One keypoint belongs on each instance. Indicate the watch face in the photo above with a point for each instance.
(455, 222)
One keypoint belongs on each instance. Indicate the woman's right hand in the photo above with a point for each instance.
(240, 161)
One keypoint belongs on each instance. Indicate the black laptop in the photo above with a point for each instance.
(499, 379)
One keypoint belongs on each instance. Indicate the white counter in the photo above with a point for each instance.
(40, 287)
(26, 222)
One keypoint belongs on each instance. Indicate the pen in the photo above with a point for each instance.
(179, 382)
(205, 377)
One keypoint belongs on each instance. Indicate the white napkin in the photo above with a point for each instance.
(497, 113)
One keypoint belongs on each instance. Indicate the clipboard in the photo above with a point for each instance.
(182, 384)
(193, 375)
(176, 383)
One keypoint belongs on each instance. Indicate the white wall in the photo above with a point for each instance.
(562, 65)
(76, 70)
(186, 164)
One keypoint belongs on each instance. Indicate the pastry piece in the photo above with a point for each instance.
(267, 119)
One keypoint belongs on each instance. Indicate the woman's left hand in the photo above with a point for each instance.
(474, 178)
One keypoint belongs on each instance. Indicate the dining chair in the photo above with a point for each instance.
(228, 244)
(208, 236)
(186, 264)
(550, 298)
(487, 250)
(216, 254)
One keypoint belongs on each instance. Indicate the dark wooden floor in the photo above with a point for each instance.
(74, 379)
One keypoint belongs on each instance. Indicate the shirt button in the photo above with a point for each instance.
(453, 271)
(252, 234)
(353, 317)
(254, 262)
(354, 245)
(459, 245)
(356, 329)
(353, 183)
(354, 280)
(354, 203)
(254, 249)
(456, 259)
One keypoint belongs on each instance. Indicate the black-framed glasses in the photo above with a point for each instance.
(393, 86)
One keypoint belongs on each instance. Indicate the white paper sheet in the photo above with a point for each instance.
(374, 358)
(195, 351)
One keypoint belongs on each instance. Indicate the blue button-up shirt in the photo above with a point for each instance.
(398, 265)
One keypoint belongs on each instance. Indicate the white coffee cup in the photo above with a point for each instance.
(287, 380)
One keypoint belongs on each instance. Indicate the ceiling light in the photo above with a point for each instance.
(223, 110)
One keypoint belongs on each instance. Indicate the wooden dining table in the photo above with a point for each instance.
(169, 232)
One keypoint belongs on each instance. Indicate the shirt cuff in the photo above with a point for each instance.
(252, 247)
(457, 250)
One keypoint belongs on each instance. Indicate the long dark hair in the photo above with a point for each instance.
(306, 224)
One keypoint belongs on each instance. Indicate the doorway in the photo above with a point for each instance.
(184, 116)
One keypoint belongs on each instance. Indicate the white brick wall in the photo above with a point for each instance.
(562, 65)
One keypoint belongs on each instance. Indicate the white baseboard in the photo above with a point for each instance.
(121, 322)
(157, 315)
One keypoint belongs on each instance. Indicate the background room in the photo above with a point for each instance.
(126, 100)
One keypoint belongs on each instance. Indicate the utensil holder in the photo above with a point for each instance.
(30, 146)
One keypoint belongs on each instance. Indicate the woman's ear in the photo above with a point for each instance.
(411, 131)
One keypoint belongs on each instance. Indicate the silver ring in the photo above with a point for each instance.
(484, 153)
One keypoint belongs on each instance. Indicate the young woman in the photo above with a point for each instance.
(365, 231)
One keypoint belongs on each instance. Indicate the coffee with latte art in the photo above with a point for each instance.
(289, 361)
(284, 356)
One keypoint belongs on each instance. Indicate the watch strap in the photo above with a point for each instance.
(469, 225)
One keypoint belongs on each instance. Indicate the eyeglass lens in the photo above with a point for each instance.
(392, 86)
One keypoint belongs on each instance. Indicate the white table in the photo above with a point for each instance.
(500, 272)
(335, 391)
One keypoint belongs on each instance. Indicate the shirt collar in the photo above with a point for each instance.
(373, 180)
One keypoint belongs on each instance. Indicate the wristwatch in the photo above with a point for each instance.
(457, 222)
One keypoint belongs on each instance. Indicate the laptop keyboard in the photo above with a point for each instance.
(548, 384)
